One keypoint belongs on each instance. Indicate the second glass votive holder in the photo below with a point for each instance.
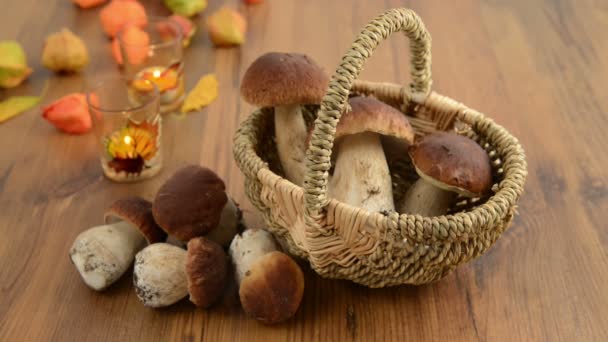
(154, 53)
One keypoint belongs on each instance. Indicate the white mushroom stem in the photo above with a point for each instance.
(228, 226)
(427, 198)
(249, 247)
(291, 133)
(159, 275)
(361, 175)
(102, 254)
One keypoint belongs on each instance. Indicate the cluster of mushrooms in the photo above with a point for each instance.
(448, 164)
(191, 210)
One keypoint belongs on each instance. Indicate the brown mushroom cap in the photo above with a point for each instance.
(138, 212)
(453, 162)
(206, 266)
(190, 203)
(276, 79)
(370, 115)
(272, 291)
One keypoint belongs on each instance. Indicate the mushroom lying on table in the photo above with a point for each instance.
(193, 202)
(286, 81)
(164, 274)
(448, 164)
(271, 284)
(103, 253)
(361, 175)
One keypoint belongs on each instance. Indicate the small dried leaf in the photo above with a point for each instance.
(205, 92)
(226, 27)
(16, 105)
(187, 8)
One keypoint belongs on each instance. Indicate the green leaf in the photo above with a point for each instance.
(16, 105)
(187, 8)
(13, 65)
(13, 56)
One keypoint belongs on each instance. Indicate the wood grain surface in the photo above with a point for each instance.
(537, 67)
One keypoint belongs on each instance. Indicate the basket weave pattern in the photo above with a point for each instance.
(380, 249)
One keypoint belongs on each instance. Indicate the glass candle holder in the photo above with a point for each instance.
(129, 132)
(154, 53)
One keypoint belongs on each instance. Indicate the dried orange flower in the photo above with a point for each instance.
(118, 13)
(136, 44)
(69, 114)
(88, 3)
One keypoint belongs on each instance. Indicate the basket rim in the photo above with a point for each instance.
(429, 229)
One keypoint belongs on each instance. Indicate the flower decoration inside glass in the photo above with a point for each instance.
(133, 148)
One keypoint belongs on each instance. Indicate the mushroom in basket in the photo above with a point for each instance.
(286, 81)
(164, 274)
(102, 254)
(361, 175)
(271, 284)
(193, 202)
(448, 164)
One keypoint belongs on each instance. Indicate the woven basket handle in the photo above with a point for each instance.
(334, 101)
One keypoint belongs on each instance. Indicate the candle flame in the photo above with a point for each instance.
(156, 73)
(128, 140)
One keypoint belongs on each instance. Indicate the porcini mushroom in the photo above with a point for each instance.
(193, 202)
(361, 175)
(271, 284)
(159, 275)
(103, 253)
(448, 164)
(286, 81)
(206, 266)
(164, 274)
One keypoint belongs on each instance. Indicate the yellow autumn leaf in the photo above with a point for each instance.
(205, 91)
(16, 105)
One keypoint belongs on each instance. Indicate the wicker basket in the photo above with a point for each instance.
(371, 248)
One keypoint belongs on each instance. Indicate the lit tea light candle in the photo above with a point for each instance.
(164, 78)
(168, 81)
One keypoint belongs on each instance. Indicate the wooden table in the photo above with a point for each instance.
(539, 68)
